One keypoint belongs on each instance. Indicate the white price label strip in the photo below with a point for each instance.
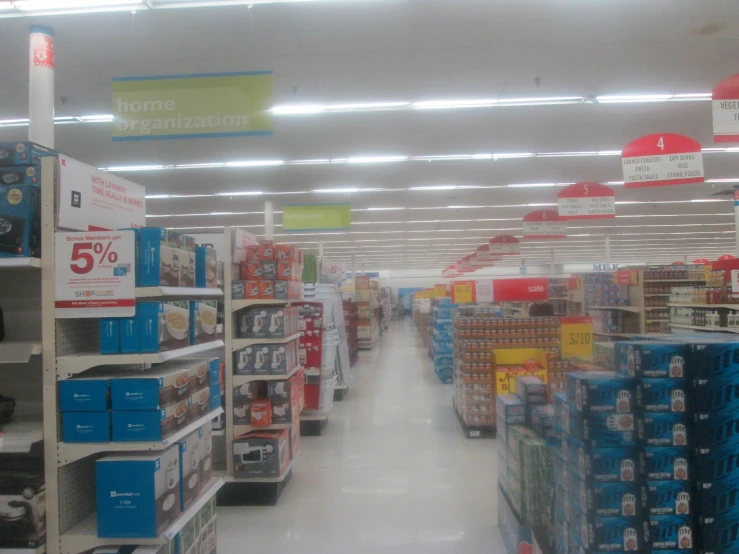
(666, 167)
(590, 206)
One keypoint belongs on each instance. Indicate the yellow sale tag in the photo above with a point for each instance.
(707, 272)
(463, 292)
(505, 378)
(577, 338)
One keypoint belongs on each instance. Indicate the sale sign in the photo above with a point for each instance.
(95, 274)
(726, 110)
(544, 224)
(92, 200)
(463, 292)
(504, 245)
(521, 290)
(577, 338)
(661, 160)
(587, 201)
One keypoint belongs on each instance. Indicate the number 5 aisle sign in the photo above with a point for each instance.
(95, 274)
(577, 338)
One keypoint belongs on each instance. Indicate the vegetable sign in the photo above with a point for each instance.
(726, 110)
(661, 160)
(587, 201)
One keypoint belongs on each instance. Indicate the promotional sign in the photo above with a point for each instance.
(91, 200)
(661, 160)
(577, 337)
(629, 277)
(332, 270)
(587, 201)
(192, 106)
(504, 245)
(95, 274)
(726, 110)
(574, 283)
(518, 362)
(544, 224)
(463, 292)
(317, 217)
(521, 290)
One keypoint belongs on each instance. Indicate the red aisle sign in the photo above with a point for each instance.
(503, 245)
(544, 224)
(662, 159)
(726, 110)
(587, 201)
(702, 261)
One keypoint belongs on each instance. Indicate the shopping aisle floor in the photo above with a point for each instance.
(392, 472)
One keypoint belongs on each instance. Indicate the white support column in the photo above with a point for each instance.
(354, 277)
(269, 221)
(41, 86)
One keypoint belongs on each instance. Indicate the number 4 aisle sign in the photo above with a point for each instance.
(662, 160)
(95, 274)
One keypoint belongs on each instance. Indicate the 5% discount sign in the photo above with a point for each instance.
(95, 274)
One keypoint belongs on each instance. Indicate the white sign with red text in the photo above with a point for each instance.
(91, 200)
(587, 201)
(726, 111)
(95, 274)
(662, 159)
(544, 224)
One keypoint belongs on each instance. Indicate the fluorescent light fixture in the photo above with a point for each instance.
(435, 187)
(298, 109)
(340, 190)
(453, 157)
(375, 159)
(241, 193)
(200, 166)
(96, 118)
(383, 209)
(122, 168)
(454, 104)
(156, 196)
(14, 122)
(48, 5)
(621, 98)
(506, 156)
(365, 106)
(255, 163)
(530, 185)
(320, 161)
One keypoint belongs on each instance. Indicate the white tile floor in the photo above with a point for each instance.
(392, 472)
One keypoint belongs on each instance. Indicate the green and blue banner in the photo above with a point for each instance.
(316, 217)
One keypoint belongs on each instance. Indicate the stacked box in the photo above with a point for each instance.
(268, 272)
(442, 344)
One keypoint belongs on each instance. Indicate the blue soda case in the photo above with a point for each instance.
(716, 430)
(712, 395)
(610, 533)
(655, 360)
(561, 410)
(617, 464)
(719, 535)
(600, 392)
(662, 395)
(715, 464)
(715, 360)
(663, 498)
(719, 498)
(671, 532)
(605, 499)
(663, 429)
(603, 430)
(665, 463)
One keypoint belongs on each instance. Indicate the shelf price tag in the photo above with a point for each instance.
(95, 274)
(463, 292)
(577, 338)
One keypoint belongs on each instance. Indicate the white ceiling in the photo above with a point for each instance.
(408, 51)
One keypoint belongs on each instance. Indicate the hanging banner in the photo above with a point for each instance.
(192, 106)
(544, 224)
(587, 201)
(662, 160)
(92, 200)
(95, 274)
(504, 245)
(577, 338)
(726, 110)
(316, 217)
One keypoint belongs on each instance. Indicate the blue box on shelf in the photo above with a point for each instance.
(86, 427)
(110, 340)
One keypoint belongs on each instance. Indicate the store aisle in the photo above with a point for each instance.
(392, 472)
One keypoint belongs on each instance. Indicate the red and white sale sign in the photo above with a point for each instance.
(662, 159)
(726, 110)
(504, 245)
(95, 274)
(544, 224)
(587, 201)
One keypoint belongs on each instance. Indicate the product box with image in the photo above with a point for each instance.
(190, 483)
(165, 258)
(206, 267)
(20, 221)
(199, 403)
(163, 325)
(266, 250)
(241, 414)
(261, 454)
(719, 499)
(662, 395)
(715, 395)
(23, 505)
(203, 321)
(665, 463)
(281, 290)
(246, 393)
(604, 499)
(715, 360)
(281, 413)
(655, 360)
(86, 394)
(266, 289)
(216, 397)
(130, 335)
(671, 532)
(238, 290)
(600, 392)
(266, 322)
(110, 340)
(252, 360)
(603, 464)
(661, 498)
(663, 429)
(23, 153)
(604, 430)
(203, 371)
(86, 426)
(531, 390)
(150, 425)
(610, 533)
(155, 388)
(716, 430)
(261, 413)
(138, 495)
(719, 535)
(279, 391)
(20, 175)
(269, 270)
(283, 357)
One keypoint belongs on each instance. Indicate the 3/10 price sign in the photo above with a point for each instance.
(95, 274)
(463, 292)
(577, 338)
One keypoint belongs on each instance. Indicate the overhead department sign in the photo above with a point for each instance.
(192, 106)
(317, 217)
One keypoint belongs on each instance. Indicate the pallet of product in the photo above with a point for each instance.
(475, 431)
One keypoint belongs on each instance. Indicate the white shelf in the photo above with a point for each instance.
(632, 309)
(727, 306)
(19, 263)
(237, 305)
(238, 344)
(83, 536)
(674, 281)
(236, 479)
(178, 292)
(314, 416)
(18, 352)
(239, 380)
(67, 366)
(243, 429)
(72, 451)
(699, 328)
(18, 436)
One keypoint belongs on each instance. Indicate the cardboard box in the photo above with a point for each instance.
(252, 254)
(531, 390)
(246, 393)
(190, 483)
(516, 536)
(252, 360)
(153, 389)
(110, 340)
(662, 395)
(138, 495)
(241, 414)
(203, 321)
(654, 360)
(718, 535)
(20, 214)
(238, 290)
(604, 430)
(607, 465)
(165, 258)
(130, 335)
(278, 391)
(605, 499)
(281, 290)
(206, 267)
(600, 392)
(266, 290)
(163, 325)
(269, 270)
(20, 175)
(252, 271)
(610, 534)
(199, 404)
(86, 426)
(205, 453)
(665, 463)
(252, 290)
(84, 394)
(663, 429)
(241, 242)
(150, 425)
(266, 250)
(216, 397)
(281, 413)
(671, 532)
(261, 454)
(510, 409)
(23, 153)
(261, 413)
(660, 498)
(285, 252)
